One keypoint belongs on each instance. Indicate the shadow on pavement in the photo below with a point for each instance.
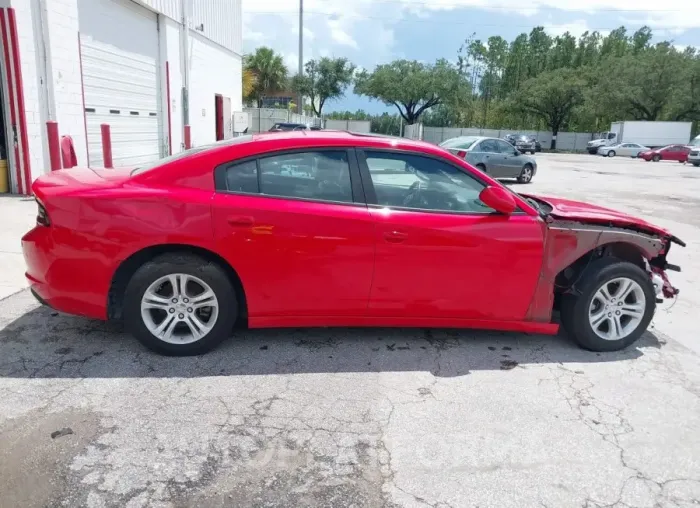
(44, 344)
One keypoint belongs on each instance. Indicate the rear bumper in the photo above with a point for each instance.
(63, 283)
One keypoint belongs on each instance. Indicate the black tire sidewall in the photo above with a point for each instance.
(168, 264)
(575, 308)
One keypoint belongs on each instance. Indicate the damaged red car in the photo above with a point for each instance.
(307, 229)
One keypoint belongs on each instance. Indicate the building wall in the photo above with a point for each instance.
(221, 20)
(50, 61)
(213, 70)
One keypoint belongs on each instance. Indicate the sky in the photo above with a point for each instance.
(371, 32)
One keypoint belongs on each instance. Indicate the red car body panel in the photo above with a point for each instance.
(307, 263)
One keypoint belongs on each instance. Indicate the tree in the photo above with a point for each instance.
(551, 96)
(641, 86)
(269, 71)
(413, 87)
(248, 83)
(324, 80)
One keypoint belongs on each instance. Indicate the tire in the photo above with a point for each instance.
(575, 308)
(696, 164)
(611, 153)
(526, 174)
(197, 270)
(656, 158)
(481, 168)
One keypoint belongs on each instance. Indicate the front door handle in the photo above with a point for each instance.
(241, 221)
(395, 236)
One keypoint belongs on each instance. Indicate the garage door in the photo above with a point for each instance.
(119, 53)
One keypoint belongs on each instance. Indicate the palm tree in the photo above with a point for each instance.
(269, 71)
(248, 83)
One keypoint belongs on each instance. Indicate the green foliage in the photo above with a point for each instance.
(552, 96)
(324, 80)
(413, 87)
(269, 71)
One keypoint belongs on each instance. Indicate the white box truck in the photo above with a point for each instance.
(651, 134)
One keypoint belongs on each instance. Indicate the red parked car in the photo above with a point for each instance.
(304, 229)
(668, 153)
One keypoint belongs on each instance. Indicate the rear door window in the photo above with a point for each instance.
(322, 175)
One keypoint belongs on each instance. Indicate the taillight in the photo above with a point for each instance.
(462, 154)
(42, 217)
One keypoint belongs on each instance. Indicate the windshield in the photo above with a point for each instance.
(695, 142)
(187, 153)
(465, 142)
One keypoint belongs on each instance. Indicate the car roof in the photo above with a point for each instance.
(344, 138)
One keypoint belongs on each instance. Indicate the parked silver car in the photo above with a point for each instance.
(623, 149)
(494, 156)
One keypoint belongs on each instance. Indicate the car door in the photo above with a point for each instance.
(295, 228)
(670, 153)
(441, 253)
(484, 153)
(511, 159)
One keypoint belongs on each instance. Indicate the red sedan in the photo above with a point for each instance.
(668, 153)
(307, 229)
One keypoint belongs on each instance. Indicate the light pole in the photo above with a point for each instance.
(300, 98)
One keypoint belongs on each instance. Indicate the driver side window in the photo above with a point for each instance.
(411, 181)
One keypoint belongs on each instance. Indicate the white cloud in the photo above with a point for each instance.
(339, 35)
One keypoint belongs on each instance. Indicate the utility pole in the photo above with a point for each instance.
(300, 99)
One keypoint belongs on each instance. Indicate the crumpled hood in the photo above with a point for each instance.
(585, 212)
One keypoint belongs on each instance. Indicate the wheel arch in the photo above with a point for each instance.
(127, 268)
(624, 251)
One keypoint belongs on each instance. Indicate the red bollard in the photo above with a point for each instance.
(106, 145)
(188, 139)
(54, 145)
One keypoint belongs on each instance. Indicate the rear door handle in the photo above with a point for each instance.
(241, 221)
(395, 236)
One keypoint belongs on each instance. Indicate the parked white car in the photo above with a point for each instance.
(623, 149)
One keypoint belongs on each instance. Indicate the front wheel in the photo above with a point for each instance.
(525, 174)
(180, 304)
(656, 158)
(696, 164)
(613, 308)
(611, 153)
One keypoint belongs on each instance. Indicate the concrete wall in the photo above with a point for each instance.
(349, 125)
(565, 140)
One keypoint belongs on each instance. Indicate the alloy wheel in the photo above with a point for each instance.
(179, 308)
(617, 308)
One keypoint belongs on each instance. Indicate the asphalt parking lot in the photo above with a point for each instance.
(377, 418)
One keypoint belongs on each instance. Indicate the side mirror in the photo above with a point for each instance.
(499, 199)
(516, 153)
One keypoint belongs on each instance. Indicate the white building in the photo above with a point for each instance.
(126, 63)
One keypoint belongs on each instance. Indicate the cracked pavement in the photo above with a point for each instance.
(375, 417)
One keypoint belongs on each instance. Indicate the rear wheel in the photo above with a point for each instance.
(179, 304)
(613, 308)
(481, 167)
(525, 174)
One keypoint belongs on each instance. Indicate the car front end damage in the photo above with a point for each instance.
(571, 247)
